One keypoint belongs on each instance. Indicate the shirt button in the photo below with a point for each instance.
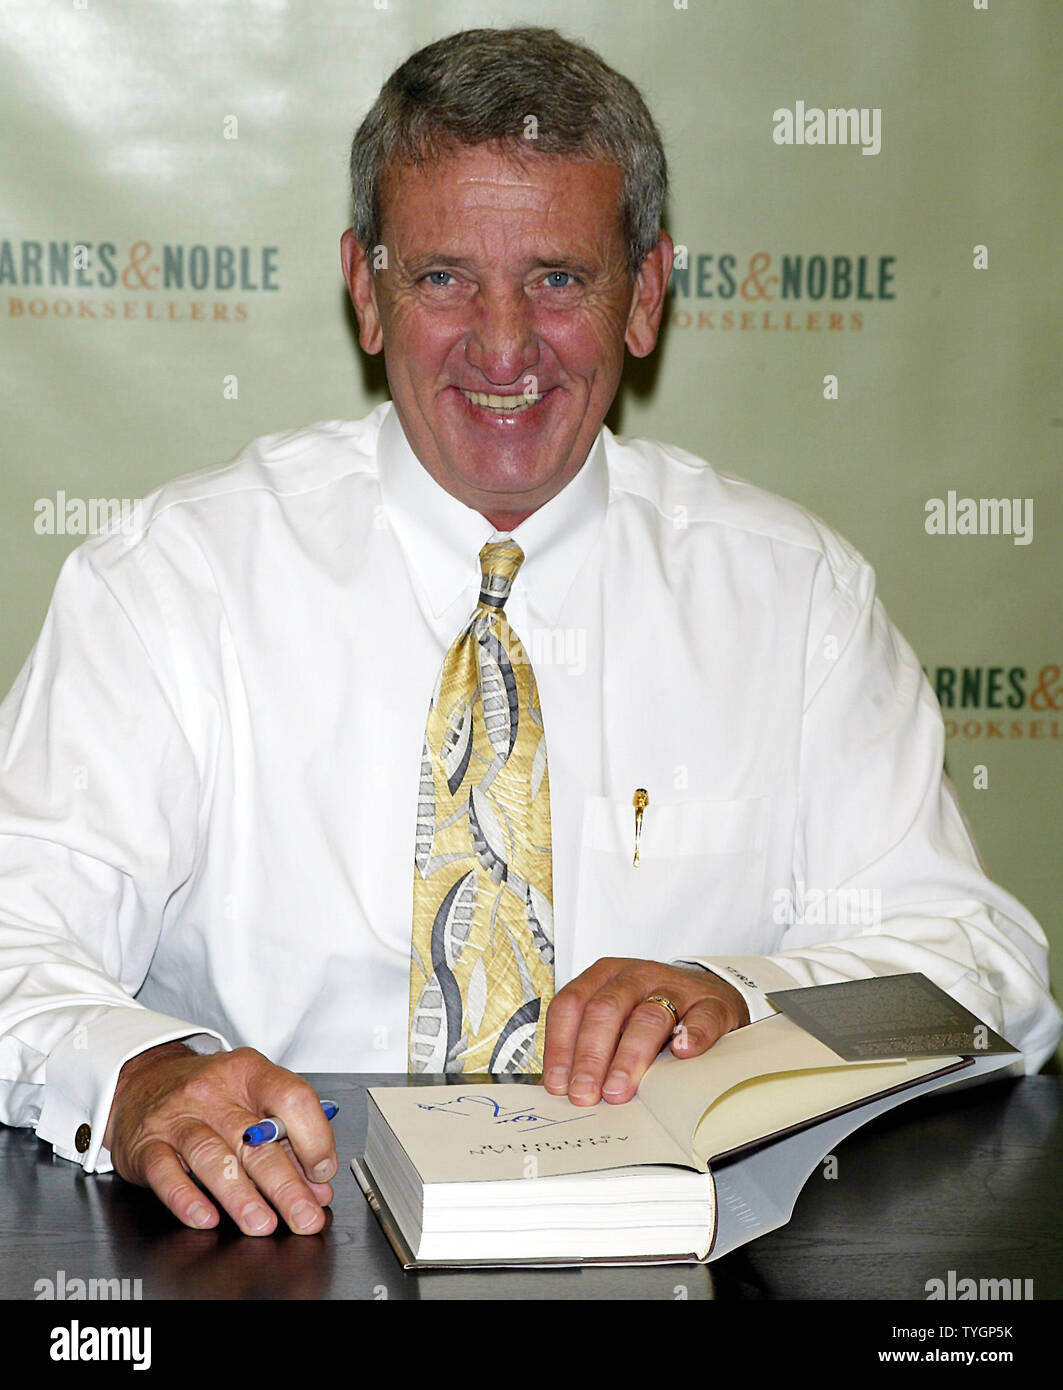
(82, 1138)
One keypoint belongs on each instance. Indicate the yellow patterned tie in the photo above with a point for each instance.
(482, 964)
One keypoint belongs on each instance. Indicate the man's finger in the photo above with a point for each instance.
(322, 1191)
(703, 1024)
(166, 1174)
(604, 1020)
(221, 1172)
(648, 1028)
(563, 1019)
(283, 1094)
(278, 1178)
(161, 1166)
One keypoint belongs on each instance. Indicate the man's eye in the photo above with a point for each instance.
(437, 277)
(556, 277)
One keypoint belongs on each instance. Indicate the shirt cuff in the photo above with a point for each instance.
(82, 1072)
(751, 976)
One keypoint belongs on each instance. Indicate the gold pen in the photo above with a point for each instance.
(640, 801)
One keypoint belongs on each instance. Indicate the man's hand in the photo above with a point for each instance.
(601, 1035)
(176, 1113)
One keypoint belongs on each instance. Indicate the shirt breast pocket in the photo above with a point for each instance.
(697, 887)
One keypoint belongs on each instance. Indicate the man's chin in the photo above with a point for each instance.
(512, 497)
(502, 471)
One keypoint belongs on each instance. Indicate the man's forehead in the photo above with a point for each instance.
(481, 176)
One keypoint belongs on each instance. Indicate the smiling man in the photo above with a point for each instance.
(345, 801)
(503, 316)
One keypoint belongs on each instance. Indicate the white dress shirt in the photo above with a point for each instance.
(209, 765)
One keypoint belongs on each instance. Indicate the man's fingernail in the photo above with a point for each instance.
(581, 1086)
(199, 1214)
(304, 1215)
(258, 1218)
(616, 1082)
(556, 1077)
(323, 1171)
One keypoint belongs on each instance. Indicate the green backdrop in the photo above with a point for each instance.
(197, 155)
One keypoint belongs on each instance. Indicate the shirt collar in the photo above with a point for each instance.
(441, 537)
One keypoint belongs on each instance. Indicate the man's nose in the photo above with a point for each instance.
(502, 343)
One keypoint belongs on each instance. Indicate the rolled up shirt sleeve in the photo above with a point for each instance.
(99, 793)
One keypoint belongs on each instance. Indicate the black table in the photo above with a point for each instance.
(969, 1182)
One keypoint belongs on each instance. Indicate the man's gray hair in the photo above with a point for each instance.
(526, 90)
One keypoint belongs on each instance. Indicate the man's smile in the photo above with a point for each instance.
(502, 410)
(506, 405)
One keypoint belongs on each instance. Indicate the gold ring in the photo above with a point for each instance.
(665, 1004)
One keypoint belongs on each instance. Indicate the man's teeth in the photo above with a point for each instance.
(510, 404)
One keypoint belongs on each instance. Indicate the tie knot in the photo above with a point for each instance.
(499, 563)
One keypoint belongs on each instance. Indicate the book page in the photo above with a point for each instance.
(773, 1104)
(679, 1091)
(481, 1133)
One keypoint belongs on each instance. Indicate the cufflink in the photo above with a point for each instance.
(82, 1138)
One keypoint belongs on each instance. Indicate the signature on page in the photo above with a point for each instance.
(485, 1107)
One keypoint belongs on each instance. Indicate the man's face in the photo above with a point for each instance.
(503, 313)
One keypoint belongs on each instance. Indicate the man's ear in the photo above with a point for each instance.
(647, 303)
(362, 289)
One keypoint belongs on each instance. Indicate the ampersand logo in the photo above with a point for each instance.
(135, 275)
(751, 285)
(1044, 696)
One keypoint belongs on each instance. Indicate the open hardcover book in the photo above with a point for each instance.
(712, 1152)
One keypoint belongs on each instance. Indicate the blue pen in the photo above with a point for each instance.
(268, 1131)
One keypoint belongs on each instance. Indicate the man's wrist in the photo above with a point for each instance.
(83, 1071)
(146, 1058)
(143, 1061)
(749, 976)
(736, 1000)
